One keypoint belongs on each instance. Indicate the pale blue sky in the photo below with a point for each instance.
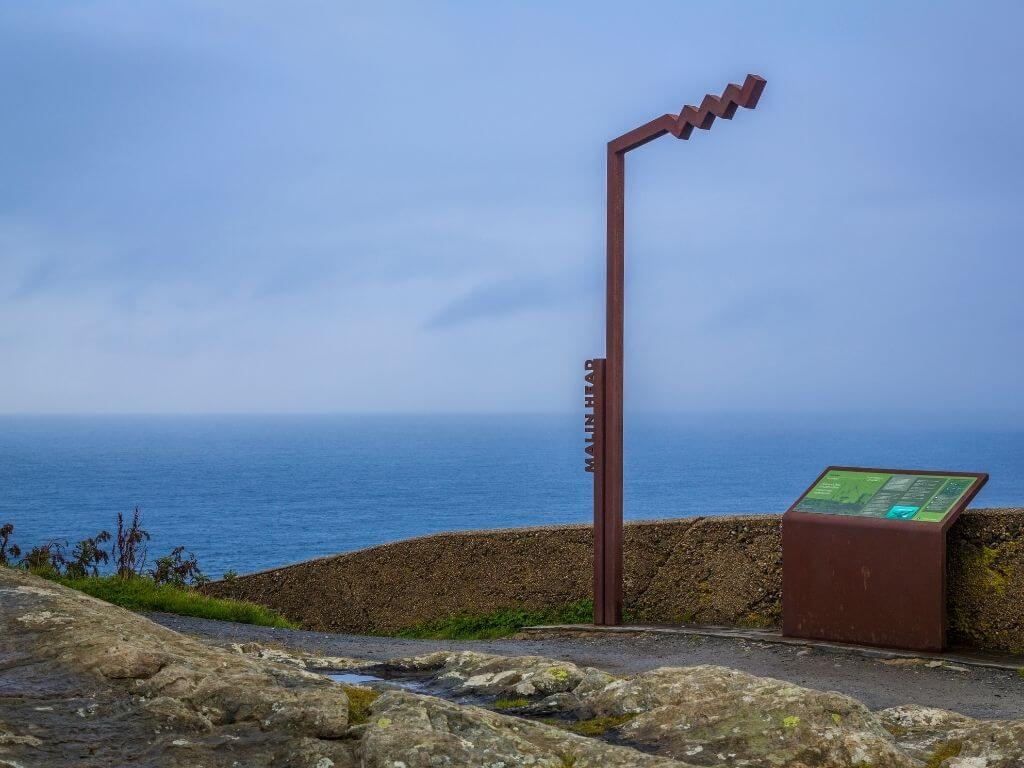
(251, 206)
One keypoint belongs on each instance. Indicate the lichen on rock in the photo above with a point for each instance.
(422, 731)
(713, 714)
(925, 733)
(469, 672)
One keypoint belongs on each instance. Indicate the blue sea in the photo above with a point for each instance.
(253, 492)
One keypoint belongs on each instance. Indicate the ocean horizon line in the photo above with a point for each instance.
(690, 413)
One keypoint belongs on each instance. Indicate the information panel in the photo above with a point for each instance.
(864, 555)
(926, 498)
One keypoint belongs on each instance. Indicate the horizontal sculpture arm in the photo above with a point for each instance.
(682, 125)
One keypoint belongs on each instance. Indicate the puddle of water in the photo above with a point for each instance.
(380, 683)
(351, 678)
(416, 684)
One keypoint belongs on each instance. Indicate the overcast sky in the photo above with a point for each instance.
(268, 207)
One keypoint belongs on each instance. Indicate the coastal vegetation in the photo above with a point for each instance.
(120, 575)
(514, 703)
(141, 593)
(486, 626)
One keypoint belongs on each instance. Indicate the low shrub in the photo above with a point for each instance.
(87, 556)
(130, 545)
(8, 549)
(178, 569)
(46, 558)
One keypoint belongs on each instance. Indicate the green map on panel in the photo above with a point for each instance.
(896, 496)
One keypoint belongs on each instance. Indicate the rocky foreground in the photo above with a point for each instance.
(84, 683)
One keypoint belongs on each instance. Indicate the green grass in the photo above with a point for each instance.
(511, 703)
(499, 623)
(595, 727)
(141, 594)
(360, 701)
(944, 752)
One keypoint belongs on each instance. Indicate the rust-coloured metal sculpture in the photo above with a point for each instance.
(608, 460)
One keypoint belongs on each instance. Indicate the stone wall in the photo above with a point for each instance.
(986, 580)
(705, 570)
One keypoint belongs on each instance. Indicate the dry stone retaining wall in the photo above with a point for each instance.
(706, 570)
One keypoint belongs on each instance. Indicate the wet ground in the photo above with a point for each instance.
(976, 691)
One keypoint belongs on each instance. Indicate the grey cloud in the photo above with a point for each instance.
(509, 296)
(760, 309)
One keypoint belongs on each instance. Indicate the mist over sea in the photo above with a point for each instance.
(252, 492)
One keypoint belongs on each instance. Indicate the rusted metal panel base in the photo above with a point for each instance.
(856, 580)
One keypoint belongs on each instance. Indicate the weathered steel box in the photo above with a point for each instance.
(875, 576)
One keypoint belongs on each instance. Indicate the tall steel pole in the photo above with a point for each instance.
(608, 492)
(615, 282)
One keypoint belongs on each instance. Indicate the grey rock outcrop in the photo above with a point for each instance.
(709, 715)
(468, 672)
(84, 683)
(422, 732)
(963, 742)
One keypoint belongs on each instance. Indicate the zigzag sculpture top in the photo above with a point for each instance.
(682, 125)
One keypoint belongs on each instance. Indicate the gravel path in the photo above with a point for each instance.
(978, 692)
